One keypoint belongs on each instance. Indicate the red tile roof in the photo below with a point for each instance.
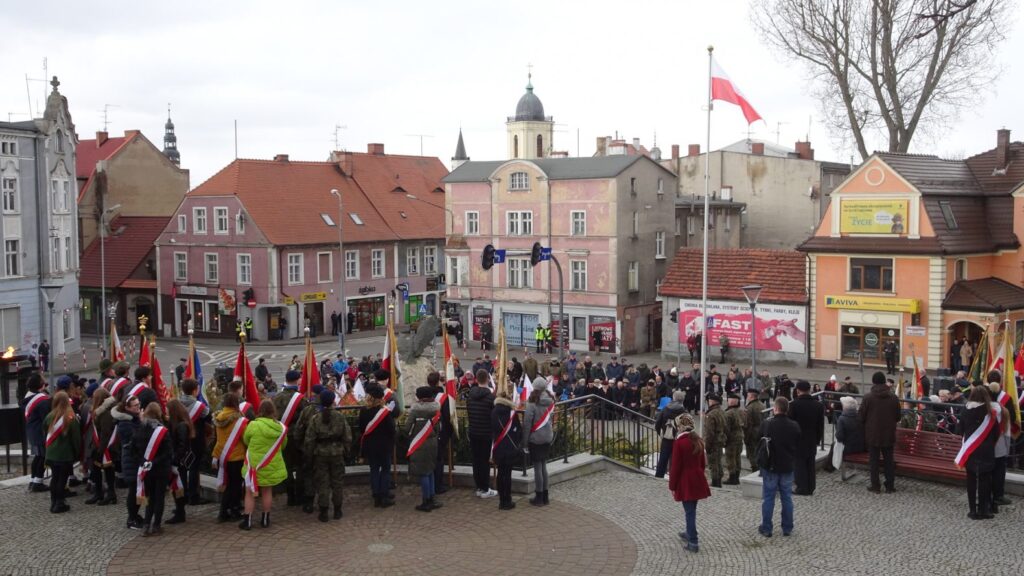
(285, 198)
(782, 273)
(125, 252)
(88, 153)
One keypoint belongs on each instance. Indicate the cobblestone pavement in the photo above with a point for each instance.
(607, 523)
(843, 529)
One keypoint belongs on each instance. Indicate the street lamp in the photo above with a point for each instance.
(103, 264)
(343, 321)
(50, 292)
(445, 208)
(752, 292)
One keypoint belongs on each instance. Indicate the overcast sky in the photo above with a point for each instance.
(288, 72)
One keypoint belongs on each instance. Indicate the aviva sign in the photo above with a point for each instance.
(910, 305)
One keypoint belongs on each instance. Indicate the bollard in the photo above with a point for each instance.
(64, 357)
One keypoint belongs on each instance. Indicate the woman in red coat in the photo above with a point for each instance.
(686, 477)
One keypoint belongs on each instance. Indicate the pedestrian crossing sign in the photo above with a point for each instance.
(423, 310)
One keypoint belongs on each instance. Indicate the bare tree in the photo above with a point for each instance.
(889, 67)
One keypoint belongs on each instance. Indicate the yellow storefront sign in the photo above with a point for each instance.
(313, 296)
(876, 303)
(288, 301)
(873, 217)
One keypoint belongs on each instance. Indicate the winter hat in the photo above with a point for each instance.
(714, 397)
(327, 398)
(540, 383)
(684, 422)
(803, 385)
(878, 378)
(93, 386)
(375, 392)
(994, 388)
(994, 376)
(64, 382)
(318, 389)
(678, 396)
(105, 364)
(424, 393)
(934, 398)
(292, 376)
(833, 378)
(673, 371)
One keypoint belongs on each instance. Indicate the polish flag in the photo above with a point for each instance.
(722, 88)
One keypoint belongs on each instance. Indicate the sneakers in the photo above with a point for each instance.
(489, 493)
(134, 524)
(1003, 501)
(763, 532)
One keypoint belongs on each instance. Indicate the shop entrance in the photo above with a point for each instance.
(369, 312)
(957, 333)
(313, 312)
(867, 342)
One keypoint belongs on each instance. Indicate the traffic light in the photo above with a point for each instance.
(674, 315)
(535, 254)
(487, 259)
(249, 295)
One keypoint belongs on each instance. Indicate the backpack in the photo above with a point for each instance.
(764, 453)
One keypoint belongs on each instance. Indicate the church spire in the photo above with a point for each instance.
(170, 140)
(460, 157)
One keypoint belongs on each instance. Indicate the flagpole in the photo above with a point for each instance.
(704, 277)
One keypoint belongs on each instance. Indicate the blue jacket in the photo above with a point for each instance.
(34, 424)
(127, 425)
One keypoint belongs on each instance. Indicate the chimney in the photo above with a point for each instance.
(636, 143)
(344, 160)
(675, 151)
(693, 150)
(102, 136)
(1002, 147)
(375, 149)
(602, 146)
(281, 158)
(757, 148)
(804, 151)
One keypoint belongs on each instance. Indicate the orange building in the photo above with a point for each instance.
(920, 251)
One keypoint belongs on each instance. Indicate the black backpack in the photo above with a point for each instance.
(764, 453)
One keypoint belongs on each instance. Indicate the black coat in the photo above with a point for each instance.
(164, 453)
(879, 413)
(809, 414)
(34, 426)
(444, 424)
(850, 432)
(784, 436)
(381, 441)
(499, 418)
(479, 404)
(983, 458)
(182, 443)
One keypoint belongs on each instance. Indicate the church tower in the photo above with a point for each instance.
(530, 133)
(460, 157)
(170, 140)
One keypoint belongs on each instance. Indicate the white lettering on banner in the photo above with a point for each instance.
(780, 327)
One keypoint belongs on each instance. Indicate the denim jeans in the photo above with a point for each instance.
(783, 484)
(690, 509)
(427, 486)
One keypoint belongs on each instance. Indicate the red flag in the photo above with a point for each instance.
(116, 351)
(310, 370)
(158, 384)
(722, 88)
(143, 352)
(450, 384)
(243, 371)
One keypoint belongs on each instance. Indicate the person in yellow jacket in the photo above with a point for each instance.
(264, 438)
(224, 422)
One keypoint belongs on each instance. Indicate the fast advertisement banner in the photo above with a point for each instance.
(780, 327)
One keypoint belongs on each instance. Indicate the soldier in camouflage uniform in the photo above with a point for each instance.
(735, 420)
(305, 471)
(752, 431)
(292, 452)
(327, 441)
(715, 437)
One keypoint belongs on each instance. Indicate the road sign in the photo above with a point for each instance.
(403, 287)
(423, 310)
(545, 254)
(499, 256)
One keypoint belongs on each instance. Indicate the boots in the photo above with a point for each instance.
(425, 506)
(337, 512)
(292, 500)
(179, 511)
(246, 523)
(382, 502)
(265, 520)
(546, 501)
(716, 482)
(323, 514)
(307, 507)
(734, 478)
(434, 504)
(96, 497)
(110, 499)
(537, 500)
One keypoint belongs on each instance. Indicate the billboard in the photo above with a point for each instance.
(780, 327)
(873, 216)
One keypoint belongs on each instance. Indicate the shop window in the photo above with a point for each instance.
(871, 274)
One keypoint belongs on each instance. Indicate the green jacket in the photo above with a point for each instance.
(735, 419)
(714, 427)
(754, 418)
(259, 436)
(329, 439)
(68, 446)
(424, 459)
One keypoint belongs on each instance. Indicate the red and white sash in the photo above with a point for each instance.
(387, 395)
(244, 407)
(421, 436)
(117, 385)
(106, 383)
(544, 419)
(137, 389)
(504, 432)
(107, 459)
(1003, 398)
(155, 440)
(34, 402)
(196, 411)
(291, 409)
(251, 475)
(229, 446)
(55, 431)
(440, 402)
(971, 443)
(377, 419)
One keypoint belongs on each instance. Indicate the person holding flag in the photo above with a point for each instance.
(538, 434)
(326, 444)
(199, 414)
(443, 428)
(289, 403)
(422, 431)
(377, 443)
(229, 456)
(263, 466)
(63, 447)
(977, 455)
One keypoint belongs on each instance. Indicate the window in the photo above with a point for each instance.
(871, 274)
(659, 244)
(10, 191)
(182, 223)
(661, 187)
(294, 269)
(244, 262)
(520, 274)
(960, 269)
(519, 181)
(327, 219)
(632, 186)
(68, 262)
(9, 148)
(55, 255)
(59, 195)
(352, 265)
(515, 146)
(240, 223)
(12, 257)
(68, 324)
(540, 146)
(213, 316)
(578, 221)
(212, 269)
(472, 223)
(412, 261)
(10, 327)
(634, 276)
(180, 267)
(324, 272)
(519, 223)
(430, 259)
(947, 215)
(377, 263)
(199, 220)
(578, 282)
(690, 225)
(59, 142)
(355, 218)
(636, 224)
(679, 226)
(453, 271)
(220, 220)
(728, 220)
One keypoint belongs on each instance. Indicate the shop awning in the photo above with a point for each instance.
(990, 295)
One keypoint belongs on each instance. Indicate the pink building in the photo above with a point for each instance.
(260, 240)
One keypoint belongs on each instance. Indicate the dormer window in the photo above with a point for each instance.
(947, 215)
(519, 181)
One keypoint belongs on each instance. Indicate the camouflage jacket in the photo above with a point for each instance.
(714, 427)
(332, 437)
(735, 420)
